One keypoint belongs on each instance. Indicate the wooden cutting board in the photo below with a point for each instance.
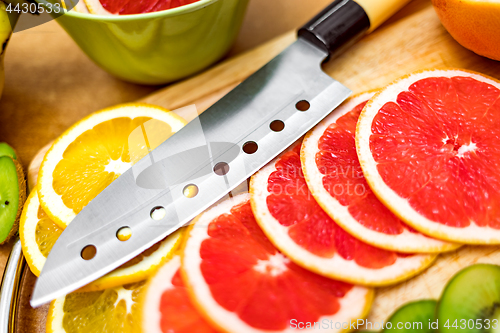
(412, 40)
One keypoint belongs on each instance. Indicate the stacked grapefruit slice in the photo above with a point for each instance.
(241, 283)
(334, 176)
(299, 227)
(428, 147)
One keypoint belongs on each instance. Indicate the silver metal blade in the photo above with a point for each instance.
(188, 157)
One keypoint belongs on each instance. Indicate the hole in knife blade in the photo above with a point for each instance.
(190, 191)
(158, 213)
(277, 125)
(250, 147)
(123, 234)
(302, 105)
(88, 252)
(221, 168)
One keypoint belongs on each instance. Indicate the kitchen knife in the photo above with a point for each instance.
(212, 154)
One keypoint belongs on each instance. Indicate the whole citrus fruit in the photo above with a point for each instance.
(475, 24)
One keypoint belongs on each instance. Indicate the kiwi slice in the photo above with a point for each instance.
(471, 301)
(12, 196)
(412, 317)
(6, 150)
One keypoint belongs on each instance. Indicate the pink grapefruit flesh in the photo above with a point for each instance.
(125, 7)
(166, 305)
(335, 178)
(242, 283)
(296, 224)
(428, 146)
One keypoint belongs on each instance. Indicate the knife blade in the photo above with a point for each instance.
(212, 154)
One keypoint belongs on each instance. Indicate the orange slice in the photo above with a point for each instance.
(92, 153)
(38, 235)
(428, 147)
(335, 179)
(112, 310)
(294, 222)
(241, 283)
(165, 304)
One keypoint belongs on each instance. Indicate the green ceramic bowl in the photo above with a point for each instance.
(159, 47)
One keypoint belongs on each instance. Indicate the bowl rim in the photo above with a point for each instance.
(137, 17)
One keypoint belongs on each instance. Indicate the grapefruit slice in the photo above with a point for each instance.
(428, 147)
(38, 235)
(295, 223)
(165, 304)
(241, 283)
(124, 7)
(335, 179)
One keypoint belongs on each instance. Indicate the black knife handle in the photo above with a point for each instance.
(341, 22)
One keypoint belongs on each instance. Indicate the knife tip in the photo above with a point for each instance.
(36, 302)
(39, 297)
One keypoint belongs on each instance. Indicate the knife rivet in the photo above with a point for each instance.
(88, 252)
(277, 125)
(250, 147)
(221, 168)
(302, 105)
(158, 213)
(123, 234)
(190, 191)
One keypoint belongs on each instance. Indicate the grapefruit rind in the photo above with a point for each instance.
(407, 241)
(398, 205)
(335, 267)
(51, 202)
(228, 321)
(152, 293)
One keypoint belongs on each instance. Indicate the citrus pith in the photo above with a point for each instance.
(165, 304)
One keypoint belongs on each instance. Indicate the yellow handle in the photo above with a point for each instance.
(380, 10)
